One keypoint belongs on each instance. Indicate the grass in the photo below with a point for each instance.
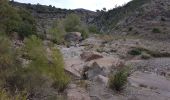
(61, 80)
(135, 52)
(156, 30)
(152, 53)
(41, 73)
(118, 81)
(4, 95)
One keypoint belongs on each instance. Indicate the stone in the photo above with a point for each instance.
(73, 37)
(102, 66)
(74, 67)
(94, 71)
(101, 80)
(88, 56)
(76, 93)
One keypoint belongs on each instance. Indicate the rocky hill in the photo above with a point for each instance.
(142, 17)
(152, 19)
(46, 15)
(138, 17)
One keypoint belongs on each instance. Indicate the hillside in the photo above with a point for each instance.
(149, 18)
(48, 53)
(46, 15)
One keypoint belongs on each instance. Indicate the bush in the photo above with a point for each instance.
(61, 80)
(135, 52)
(16, 20)
(4, 95)
(8, 59)
(72, 23)
(35, 51)
(156, 30)
(57, 32)
(9, 17)
(93, 29)
(118, 81)
(27, 26)
(43, 70)
(52, 67)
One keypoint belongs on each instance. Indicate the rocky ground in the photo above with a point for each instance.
(91, 61)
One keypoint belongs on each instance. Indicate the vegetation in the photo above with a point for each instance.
(57, 32)
(40, 63)
(4, 95)
(118, 81)
(35, 76)
(94, 29)
(61, 80)
(156, 30)
(71, 23)
(147, 52)
(8, 59)
(16, 20)
(112, 17)
(27, 25)
(135, 52)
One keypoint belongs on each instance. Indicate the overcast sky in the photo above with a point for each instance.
(74, 4)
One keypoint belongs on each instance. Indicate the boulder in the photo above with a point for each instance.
(101, 80)
(88, 56)
(74, 67)
(73, 37)
(101, 66)
(93, 71)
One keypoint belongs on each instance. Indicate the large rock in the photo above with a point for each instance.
(88, 56)
(93, 71)
(102, 66)
(74, 66)
(73, 37)
(101, 80)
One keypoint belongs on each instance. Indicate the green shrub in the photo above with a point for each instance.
(4, 95)
(43, 71)
(8, 59)
(156, 30)
(57, 32)
(35, 51)
(93, 29)
(72, 23)
(9, 17)
(135, 52)
(130, 29)
(40, 63)
(16, 20)
(27, 26)
(57, 71)
(118, 81)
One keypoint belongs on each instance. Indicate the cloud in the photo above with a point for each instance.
(73, 4)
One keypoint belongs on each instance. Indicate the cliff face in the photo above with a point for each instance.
(46, 15)
(152, 19)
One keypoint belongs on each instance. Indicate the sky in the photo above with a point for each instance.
(74, 4)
